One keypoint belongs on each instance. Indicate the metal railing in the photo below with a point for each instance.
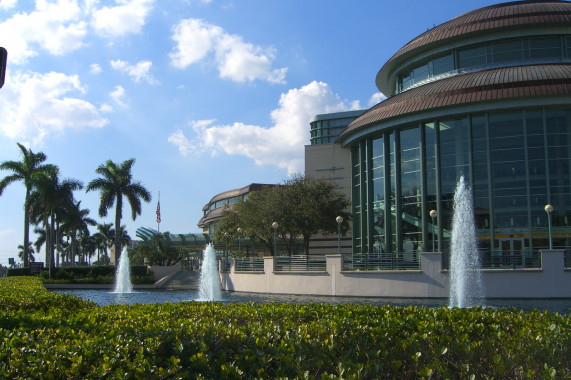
(225, 265)
(503, 259)
(250, 264)
(300, 263)
(382, 261)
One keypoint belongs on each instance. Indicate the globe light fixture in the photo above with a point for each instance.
(433, 215)
(339, 220)
(549, 210)
(275, 226)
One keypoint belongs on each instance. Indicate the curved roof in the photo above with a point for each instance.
(478, 86)
(511, 15)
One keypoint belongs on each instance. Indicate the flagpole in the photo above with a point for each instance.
(159, 213)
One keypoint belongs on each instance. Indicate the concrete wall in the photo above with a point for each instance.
(551, 281)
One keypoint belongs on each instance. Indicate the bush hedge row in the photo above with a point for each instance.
(98, 274)
(46, 335)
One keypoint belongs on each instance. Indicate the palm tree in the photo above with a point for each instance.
(50, 194)
(30, 253)
(77, 222)
(26, 170)
(105, 235)
(115, 182)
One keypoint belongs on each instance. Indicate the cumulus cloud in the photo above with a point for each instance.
(235, 59)
(34, 106)
(282, 144)
(95, 69)
(53, 26)
(127, 17)
(118, 94)
(7, 4)
(376, 98)
(139, 71)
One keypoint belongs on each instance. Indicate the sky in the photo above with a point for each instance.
(205, 95)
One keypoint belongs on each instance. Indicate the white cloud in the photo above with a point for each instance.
(54, 26)
(95, 69)
(106, 108)
(127, 17)
(139, 71)
(34, 106)
(117, 95)
(282, 144)
(376, 98)
(7, 4)
(235, 59)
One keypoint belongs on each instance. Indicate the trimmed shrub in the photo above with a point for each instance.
(47, 335)
(18, 272)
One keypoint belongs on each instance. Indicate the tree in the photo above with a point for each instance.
(104, 237)
(48, 196)
(254, 215)
(158, 250)
(302, 207)
(26, 170)
(310, 206)
(77, 222)
(30, 253)
(115, 182)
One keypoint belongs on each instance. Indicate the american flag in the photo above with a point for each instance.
(158, 211)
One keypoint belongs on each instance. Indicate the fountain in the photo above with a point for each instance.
(466, 288)
(209, 284)
(123, 274)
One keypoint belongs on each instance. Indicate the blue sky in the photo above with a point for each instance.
(207, 96)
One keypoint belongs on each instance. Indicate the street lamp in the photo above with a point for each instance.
(226, 244)
(275, 226)
(433, 215)
(549, 210)
(339, 220)
(239, 230)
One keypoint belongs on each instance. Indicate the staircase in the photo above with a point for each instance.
(183, 280)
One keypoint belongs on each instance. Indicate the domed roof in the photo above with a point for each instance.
(470, 88)
(514, 15)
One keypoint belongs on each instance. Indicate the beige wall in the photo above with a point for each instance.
(551, 281)
(333, 163)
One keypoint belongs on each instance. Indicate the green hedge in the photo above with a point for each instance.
(52, 337)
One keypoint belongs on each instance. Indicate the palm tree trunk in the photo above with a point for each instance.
(26, 230)
(53, 240)
(118, 228)
(48, 239)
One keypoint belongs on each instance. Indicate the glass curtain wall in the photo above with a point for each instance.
(515, 162)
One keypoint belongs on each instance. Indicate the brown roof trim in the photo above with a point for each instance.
(493, 17)
(522, 16)
(478, 86)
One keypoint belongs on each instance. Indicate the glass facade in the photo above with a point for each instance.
(523, 50)
(515, 161)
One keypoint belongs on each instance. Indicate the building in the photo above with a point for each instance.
(212, 211)
(327, 160)
(487, 96)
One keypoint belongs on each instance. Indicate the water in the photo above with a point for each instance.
(466, 287)
(209, 282)
(123, 274)
(105, 297)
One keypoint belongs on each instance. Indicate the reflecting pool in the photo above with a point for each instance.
(106, 297)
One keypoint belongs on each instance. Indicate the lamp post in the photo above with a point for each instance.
(433, 215)
(275, 226)
(239, 230)
(339, 220)
(549, 210)
(226, 244)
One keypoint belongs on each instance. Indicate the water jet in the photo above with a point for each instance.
(123, 274)
(466, 287)
(209, 283)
